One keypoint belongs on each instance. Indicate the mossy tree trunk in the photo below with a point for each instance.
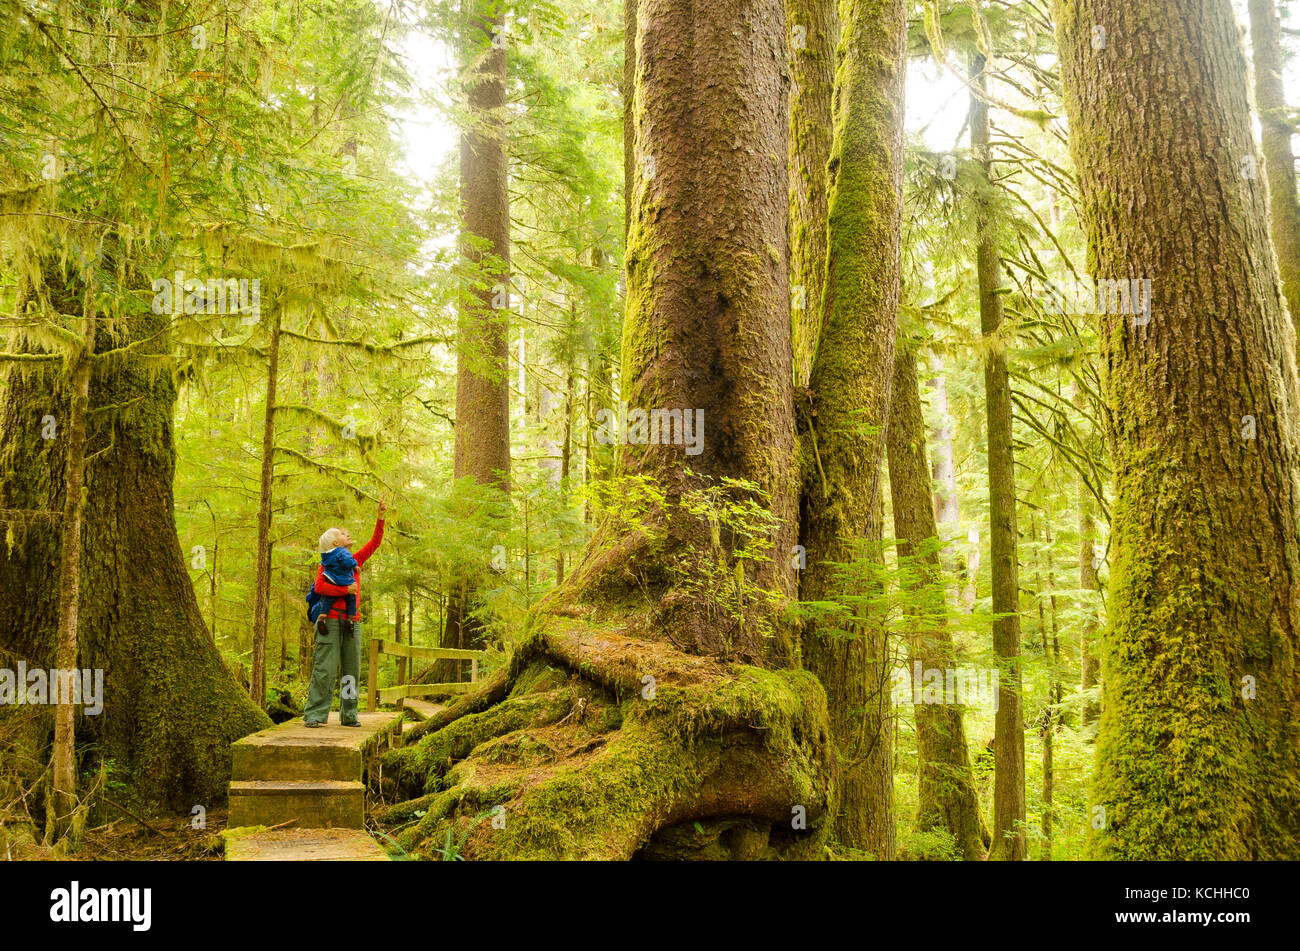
(1276, 130)
(813, 27)
(171, 709)
(946, 795)
(849, 406)
(707, 320)
(482, 437)
(626, 723)
(1197, 756)
(1009, 731)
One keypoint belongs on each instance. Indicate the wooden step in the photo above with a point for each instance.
(309, 775)
(301, 763)
(305, 845)
(294, 751)
(319, 804)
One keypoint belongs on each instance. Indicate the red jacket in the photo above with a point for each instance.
(340, 591)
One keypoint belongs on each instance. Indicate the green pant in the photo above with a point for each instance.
(334, 650)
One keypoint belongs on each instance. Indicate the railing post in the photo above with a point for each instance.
(372, 694)
(473, 669)
(401, 680)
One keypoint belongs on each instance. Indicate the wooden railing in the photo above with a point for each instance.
(405, 653)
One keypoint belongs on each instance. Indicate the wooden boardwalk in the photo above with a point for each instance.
(311, 778)
(305, 845)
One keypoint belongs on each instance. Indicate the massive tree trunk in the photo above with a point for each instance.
(171, 709)
(482, 446)
(482, 438)
(813, 27)
(849, 407)
(707, 279)
(1009, 732)
(1197, 750)
(946, 796)
(1276, 129)
(624, 725)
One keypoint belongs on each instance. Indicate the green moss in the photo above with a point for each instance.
(1182, 755)
(221, 841)
(628, 766)
(423, 765)
(538, 678)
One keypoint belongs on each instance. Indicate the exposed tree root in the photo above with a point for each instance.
(572, 751)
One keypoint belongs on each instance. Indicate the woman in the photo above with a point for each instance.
(338, 634)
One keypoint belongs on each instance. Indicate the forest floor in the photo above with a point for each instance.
(165, 839)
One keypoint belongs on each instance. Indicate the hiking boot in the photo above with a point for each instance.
(313, 723)
(351, 724)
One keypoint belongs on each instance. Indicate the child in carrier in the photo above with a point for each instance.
(339, 568)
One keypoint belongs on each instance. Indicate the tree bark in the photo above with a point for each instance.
(482, 444)
(946, 795)
(482, 432)
(849, 409)
(1197, 758)
(707, 324)
(813, 26)
(1009, 732)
